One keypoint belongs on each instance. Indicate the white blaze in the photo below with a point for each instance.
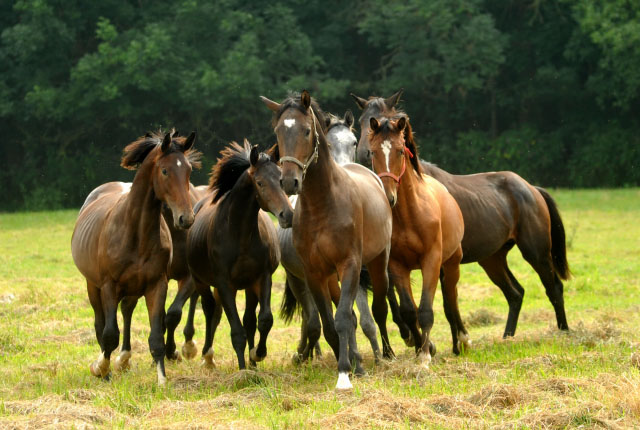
(289, 122)
(386, 149)
(178, 163)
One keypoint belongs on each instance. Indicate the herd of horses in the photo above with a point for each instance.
(343, 229)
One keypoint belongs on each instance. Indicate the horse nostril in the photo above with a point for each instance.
(281, 184)
(368, 153)
(295, 183)
(181, 220)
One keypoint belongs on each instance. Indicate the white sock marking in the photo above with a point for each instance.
(161, 378)
(343, 381)
(289, 122)
(386, 149)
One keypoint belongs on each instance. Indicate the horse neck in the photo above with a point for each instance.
(317, 184)
(241, 207)
(407, 193)
(143, 208)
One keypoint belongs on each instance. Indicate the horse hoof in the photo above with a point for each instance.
(359, 371)
(343, 382)
(424, 360)
(253, 355)
(100, 367)
(207, 359)
(409, 341)
(432, 348)
(121, 362)
(189, 350)
(175, 356)
(464, 343)
(297, 359)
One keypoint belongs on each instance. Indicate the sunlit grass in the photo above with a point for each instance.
(541, 378)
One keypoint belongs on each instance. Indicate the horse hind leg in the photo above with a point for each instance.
(497, 269)
(127, 306)
(174, 314)
(155, 298)
(100, 367)
(377, 269)
(110, 333)
(310, 328)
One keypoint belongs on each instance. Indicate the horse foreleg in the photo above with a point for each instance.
(430, 274)
(249, 321)
(450, 274)
(366, 321)
(155, 298)
(265, 320)
(174, 314)
(377, 269)
(189, 349)
(127, 307)
(238, 336)
(208, 308)
(349, 276)
(408, 309)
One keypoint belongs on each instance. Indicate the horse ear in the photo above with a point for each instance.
(189, 142)
(254, 155)
(348, 118)
(359, 100)
(305, 99)
(402, 123)
(274, 153)
(391, 101)
(327, 121)
(273, 106)
(374, 124)
(166, 142)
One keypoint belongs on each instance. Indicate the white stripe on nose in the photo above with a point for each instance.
(386, 149)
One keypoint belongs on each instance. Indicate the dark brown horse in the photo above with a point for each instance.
(500, 210)
(232, 245)
(342, 220)
(427, 232)
(122, 245)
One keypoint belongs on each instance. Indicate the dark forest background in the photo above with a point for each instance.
(549, 89)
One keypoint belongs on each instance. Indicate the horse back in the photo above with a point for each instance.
(85, 241)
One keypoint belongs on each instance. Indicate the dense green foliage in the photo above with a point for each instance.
(548, 89)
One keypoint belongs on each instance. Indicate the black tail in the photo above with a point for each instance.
(365, 279)
(558, 241)
(289, 306)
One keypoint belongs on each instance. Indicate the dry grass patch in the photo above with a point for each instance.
(481, 318)
(500, 396)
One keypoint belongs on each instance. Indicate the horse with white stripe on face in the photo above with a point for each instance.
(342, 143)
(342, 221)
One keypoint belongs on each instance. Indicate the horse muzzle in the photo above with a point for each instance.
(285, 218)
(183, 221)
(291, 183)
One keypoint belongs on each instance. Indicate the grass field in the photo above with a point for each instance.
(540, 379)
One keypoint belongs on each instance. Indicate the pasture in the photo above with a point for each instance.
(541, 378)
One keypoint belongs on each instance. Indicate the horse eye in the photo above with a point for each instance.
(259, 183)
(164, 172)
(307, 132)
(400, 152)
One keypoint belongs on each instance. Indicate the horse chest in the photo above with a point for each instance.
(408, 247)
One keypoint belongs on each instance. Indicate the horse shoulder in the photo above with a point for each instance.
(269, 237)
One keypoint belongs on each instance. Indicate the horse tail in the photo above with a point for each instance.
(558, 240)
(365, 280)
(289, 306)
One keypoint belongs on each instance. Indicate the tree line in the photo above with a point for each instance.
(549, 89)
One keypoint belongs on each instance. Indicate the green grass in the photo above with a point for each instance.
(540, 379)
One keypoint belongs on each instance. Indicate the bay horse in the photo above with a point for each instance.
(342, 221)
(178, 270)
(427, 233)
(500, 210)
(342, 143)
(232, 245)
(122, 245)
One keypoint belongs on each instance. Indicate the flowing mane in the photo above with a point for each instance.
(136, 152)
(293, 100)
(410, 142)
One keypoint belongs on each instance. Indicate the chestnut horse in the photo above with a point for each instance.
(500, 210)
(232, 245)
(342, 143)
(121, 243)
(427, 232)
(342, 221)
